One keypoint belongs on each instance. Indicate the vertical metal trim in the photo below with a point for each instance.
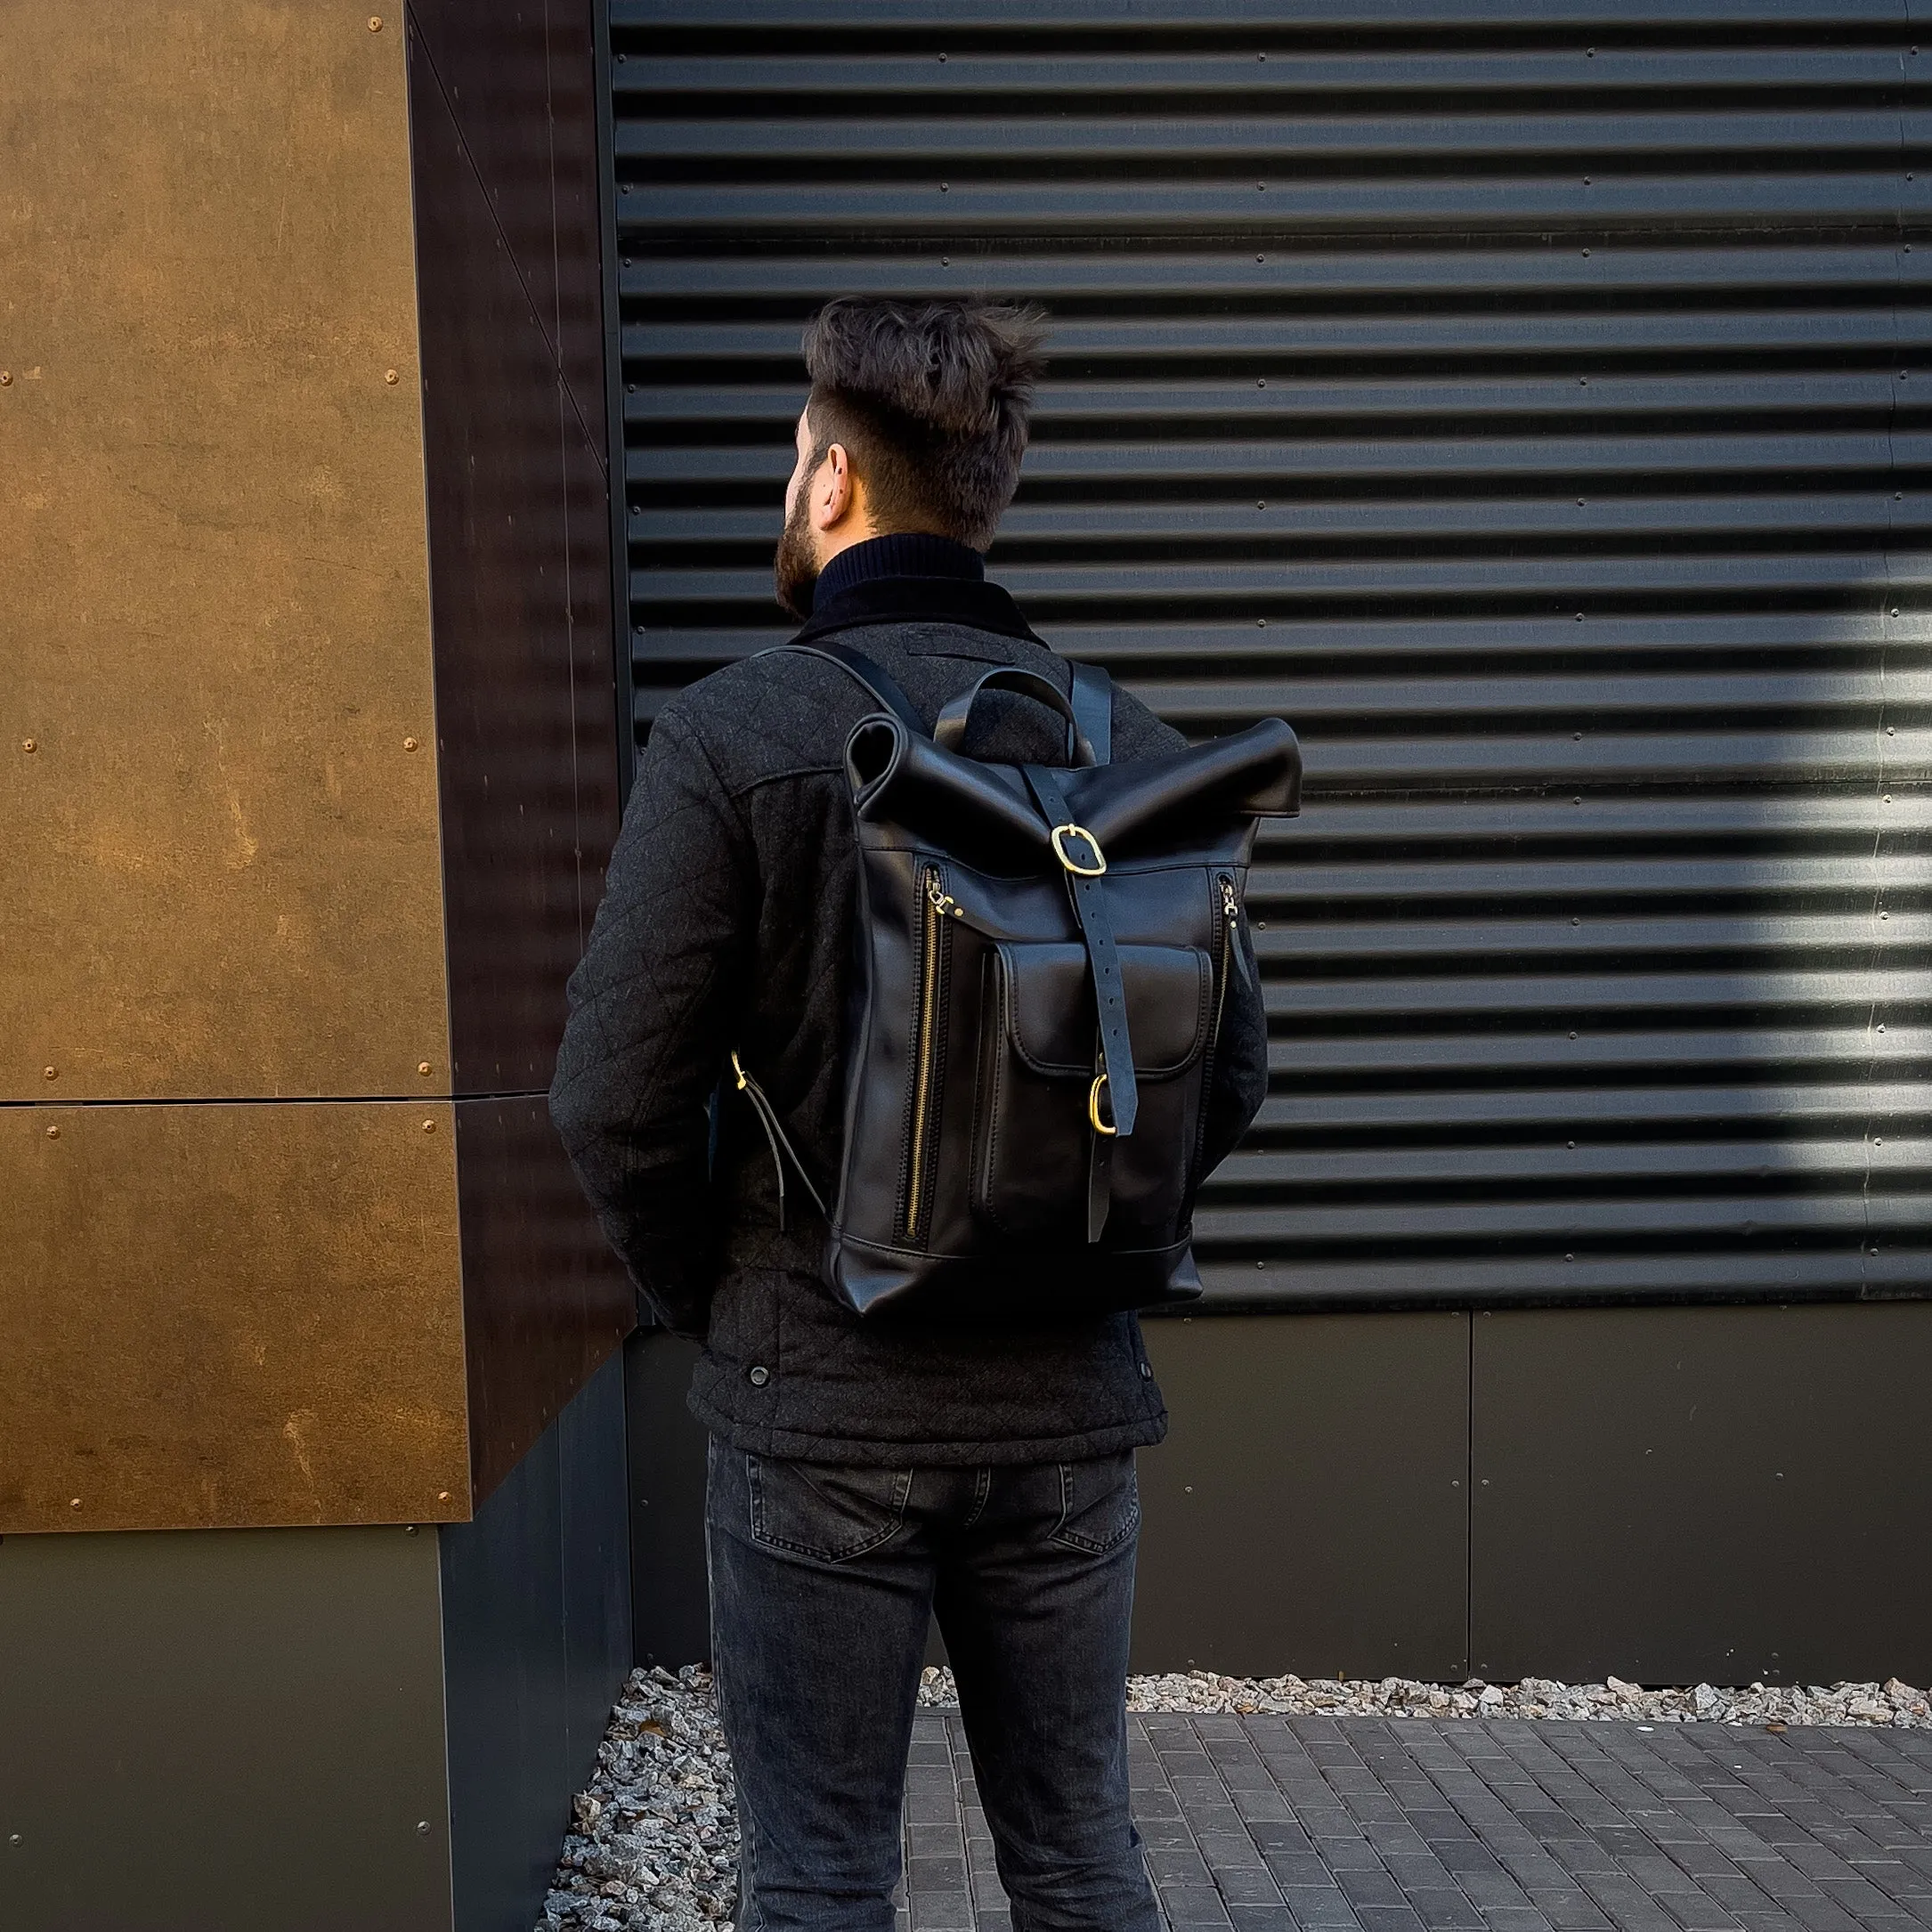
(614, 393)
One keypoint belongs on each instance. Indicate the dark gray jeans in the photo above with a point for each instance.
(822, 1579)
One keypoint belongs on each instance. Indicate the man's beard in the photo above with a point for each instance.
(795, 572)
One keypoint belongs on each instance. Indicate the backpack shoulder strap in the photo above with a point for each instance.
(1093, 709)
(856, 664)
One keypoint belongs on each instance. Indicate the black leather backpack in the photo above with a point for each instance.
(1042, 960)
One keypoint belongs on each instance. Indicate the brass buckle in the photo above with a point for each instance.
(1093, 1106)
(1079, 831)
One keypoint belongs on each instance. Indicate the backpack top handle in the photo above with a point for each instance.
(950, 727)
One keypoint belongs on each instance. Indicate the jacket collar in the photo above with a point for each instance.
(918, 600)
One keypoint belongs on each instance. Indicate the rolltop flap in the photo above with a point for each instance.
(1252, 773)
(985, 813)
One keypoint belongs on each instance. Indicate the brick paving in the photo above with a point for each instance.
(1366, 1824)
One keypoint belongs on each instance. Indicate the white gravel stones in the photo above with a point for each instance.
(1890, 1703)
(656, 1842)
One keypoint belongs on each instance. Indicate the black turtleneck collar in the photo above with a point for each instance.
(899, 553)
(910, 578)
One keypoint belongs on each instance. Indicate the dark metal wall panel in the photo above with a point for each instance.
(519, 77)
(1309, 1511)
(493, 429)
(502, 119)
(217, 1731)
(536, 1643)
(1702, 1495)
(1528, 401)
(545, 1302)
(671, 1605)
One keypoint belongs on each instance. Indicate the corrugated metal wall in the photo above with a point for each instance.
(1525, 401)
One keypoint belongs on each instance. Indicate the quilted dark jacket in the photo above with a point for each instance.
(727, 924)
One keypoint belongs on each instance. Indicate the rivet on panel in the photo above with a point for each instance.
(422, 1827)
(49, 1073)
(410, 744)
(422, 1066)
(29, 745)
(391, 377)
(429, 1127)
(53, 1133)
(75, 1504)
(375, 23)
(442, 1496)
(6, 379)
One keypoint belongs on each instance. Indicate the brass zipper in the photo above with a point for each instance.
(938, 903)
(1230, 910)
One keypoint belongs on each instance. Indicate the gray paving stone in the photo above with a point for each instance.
(1272, 1824)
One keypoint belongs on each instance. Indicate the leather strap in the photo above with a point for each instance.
(1093, 709)
(875, 679)
(1089, 892)
(950, 727)
(1099, 1183)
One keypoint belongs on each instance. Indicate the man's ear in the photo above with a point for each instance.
(834, 489)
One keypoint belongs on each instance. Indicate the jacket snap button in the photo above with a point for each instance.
(760, 1376)
(1146, 1374)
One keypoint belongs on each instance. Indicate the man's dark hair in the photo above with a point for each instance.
(931, 399)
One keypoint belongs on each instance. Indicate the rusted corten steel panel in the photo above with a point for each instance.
(247, 742)
(221, 873)
(230, 1314)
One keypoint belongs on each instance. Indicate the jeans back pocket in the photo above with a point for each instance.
(831, 1512)
(1100, 1504)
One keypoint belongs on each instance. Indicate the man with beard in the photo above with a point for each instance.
(862, 1477)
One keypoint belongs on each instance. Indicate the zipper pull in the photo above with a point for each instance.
(1229, 907)
(943, 902)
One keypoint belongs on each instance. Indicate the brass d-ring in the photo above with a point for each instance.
(1093, 1106)
(1079, 831)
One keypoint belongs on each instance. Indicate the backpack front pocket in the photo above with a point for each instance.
(1038, 1059)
